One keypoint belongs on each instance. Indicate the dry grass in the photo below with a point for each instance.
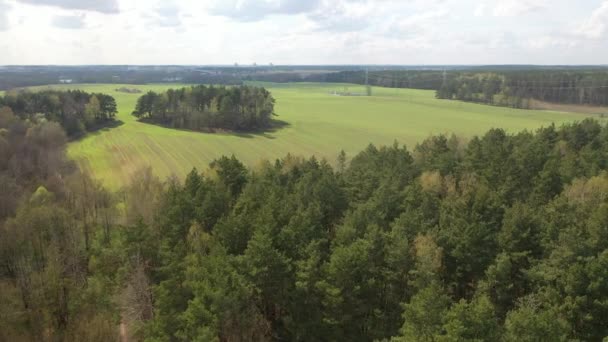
(568, 108)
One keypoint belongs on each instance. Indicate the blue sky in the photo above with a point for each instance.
(303, 32)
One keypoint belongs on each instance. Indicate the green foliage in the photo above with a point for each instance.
(473, 321)
(501, 239)
(531, 323)
(424, 314)
(75, 110)
(471, 248)
(516, 88)
(231, 173)
(243, 108)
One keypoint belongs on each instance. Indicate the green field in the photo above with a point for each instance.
(320, 124)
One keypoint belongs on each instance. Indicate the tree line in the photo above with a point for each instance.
(508, 86)
(27, 76)
(76, 111)
(243, 108)
(516, 88)
(414, 79)
(501, 238)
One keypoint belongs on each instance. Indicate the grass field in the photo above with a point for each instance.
(319, 124)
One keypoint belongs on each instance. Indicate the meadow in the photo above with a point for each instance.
(319, 124)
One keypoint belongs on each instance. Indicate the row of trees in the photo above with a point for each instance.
(501, 238)
(415, 79)
(76, 111)
(515, 89)
(511, 87)
(27, 76)
(243, 108)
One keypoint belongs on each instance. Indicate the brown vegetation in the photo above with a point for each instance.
(570, 108)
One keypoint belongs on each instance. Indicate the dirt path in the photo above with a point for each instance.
(124, 337)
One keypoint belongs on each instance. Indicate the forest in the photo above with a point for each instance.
(500, 238)
(517, 88)
(414, 79)
(501, 86)
(26, 76)
(242, 108)
(76, 111)
(32, 75)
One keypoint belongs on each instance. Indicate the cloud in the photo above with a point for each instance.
(168, 14)
(254, 10)
(509, 8)
(70, 22)
(481, 9)
(102, 6)
(550, 41)
(596, 26)
(343, 16)
(324, 31)
(324, 15)
(4, 9)
(417, 23)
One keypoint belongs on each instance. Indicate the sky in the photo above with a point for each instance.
(399, 32)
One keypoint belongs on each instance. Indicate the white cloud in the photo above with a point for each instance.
(417, 23)
(481, 9)
(102, 6)
(253, 10)
(4, 19)
(327, 15)
(70, 22)
(509, 8)
(596, 26)
(303, 32)
(343, 16)
(168, 15)
(551, 42)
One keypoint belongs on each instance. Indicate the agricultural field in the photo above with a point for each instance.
(319, 124)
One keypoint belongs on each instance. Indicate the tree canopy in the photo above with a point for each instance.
(242, 108)
(503, 238)
(517, 88)
(76, 111)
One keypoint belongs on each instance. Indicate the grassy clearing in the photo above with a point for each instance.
(319, 124)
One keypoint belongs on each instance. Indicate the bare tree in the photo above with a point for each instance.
(136, 299)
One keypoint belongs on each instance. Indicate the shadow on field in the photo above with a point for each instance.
(99, 128)
(275, 125)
